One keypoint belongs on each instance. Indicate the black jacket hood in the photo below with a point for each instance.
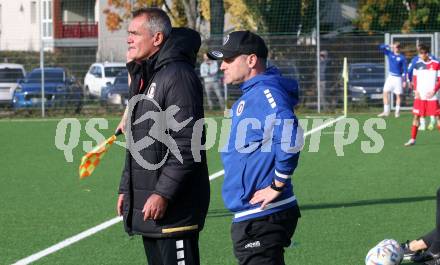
(183, 44)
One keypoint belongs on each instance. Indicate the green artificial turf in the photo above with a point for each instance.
(348, 203)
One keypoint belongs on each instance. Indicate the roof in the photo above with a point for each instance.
(110, 64)
(50, 69)
(11, 65)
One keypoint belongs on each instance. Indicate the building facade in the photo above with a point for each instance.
(61, 23)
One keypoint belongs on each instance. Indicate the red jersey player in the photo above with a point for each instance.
(426, 77)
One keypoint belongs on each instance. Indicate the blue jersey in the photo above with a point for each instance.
(396, 62)
(264, 144)
(411, 66)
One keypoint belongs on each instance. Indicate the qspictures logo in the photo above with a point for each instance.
(162, 124)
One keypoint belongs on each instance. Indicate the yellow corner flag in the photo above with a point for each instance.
(91, 160)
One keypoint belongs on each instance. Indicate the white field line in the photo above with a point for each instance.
(71, 240)
(324, 125)
(59, 119)
(216, 175)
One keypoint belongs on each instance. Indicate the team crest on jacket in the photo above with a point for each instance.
(151, 90)
(240, 108)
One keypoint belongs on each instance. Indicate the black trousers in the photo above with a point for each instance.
(172, 251)
(432, 239)
(262, 240)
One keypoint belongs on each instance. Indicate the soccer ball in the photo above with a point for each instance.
(387, 252)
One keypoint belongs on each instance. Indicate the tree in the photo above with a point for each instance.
(381, 15)
(216, 16)
(276, 16)
(182, 12)
(398, 16)
(423, 16)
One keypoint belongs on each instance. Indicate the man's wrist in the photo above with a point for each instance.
(277, 185)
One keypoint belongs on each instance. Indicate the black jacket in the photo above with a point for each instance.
(169, 79)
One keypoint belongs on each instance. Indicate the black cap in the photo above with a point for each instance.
(240, 42)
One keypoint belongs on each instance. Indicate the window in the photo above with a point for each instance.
(112, 71)
(10, 75)
(33, 12)
(49, 76)
(98, 71)
(47, 18)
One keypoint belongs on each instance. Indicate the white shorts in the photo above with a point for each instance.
(393, 84)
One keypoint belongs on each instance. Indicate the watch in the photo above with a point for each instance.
(275, 188)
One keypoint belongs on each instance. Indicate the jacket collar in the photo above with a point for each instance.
(268, 73)
(145, 67)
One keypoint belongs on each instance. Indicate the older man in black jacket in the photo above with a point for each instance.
(164, 190)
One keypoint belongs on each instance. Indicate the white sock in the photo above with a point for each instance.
(422, 121)
(397, 108)
(386, 108)
(433, 120)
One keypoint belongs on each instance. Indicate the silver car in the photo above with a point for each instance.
(9, 75)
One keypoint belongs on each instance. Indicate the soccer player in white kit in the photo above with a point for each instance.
(426, 79)
(411, 65)
(395, 81)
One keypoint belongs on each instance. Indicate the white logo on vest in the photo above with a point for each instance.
(164, 122)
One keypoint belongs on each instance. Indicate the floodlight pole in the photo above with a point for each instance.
(318, 66)
(42, 59)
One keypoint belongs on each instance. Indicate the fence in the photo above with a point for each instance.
(298, 54)
(294, 56)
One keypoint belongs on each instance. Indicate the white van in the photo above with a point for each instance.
(10, 73)
(99, 75)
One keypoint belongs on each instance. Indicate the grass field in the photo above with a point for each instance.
(348, 203)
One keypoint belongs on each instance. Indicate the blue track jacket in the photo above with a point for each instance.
(264, 144)
(396, 62)
(413, 63)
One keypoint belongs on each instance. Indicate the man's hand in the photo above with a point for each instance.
(155, 207)
(119, 204)
(417, 94)
(123, 122)
(264, 196)
(403, 84)
(430, 94)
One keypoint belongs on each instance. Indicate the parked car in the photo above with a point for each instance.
(99, 75)
(116, 93)
(365, 81)
(60, 89)
(9, 76)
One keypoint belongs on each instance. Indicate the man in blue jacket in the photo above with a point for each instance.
(262, 152)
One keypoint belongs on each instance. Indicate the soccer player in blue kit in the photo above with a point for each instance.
(395, 81)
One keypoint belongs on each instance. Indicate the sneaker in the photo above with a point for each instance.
(408, 254)
(431, 127)
(427, 256)
(397, 114)
(383, 114)
(433, 262)
(411, 142)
